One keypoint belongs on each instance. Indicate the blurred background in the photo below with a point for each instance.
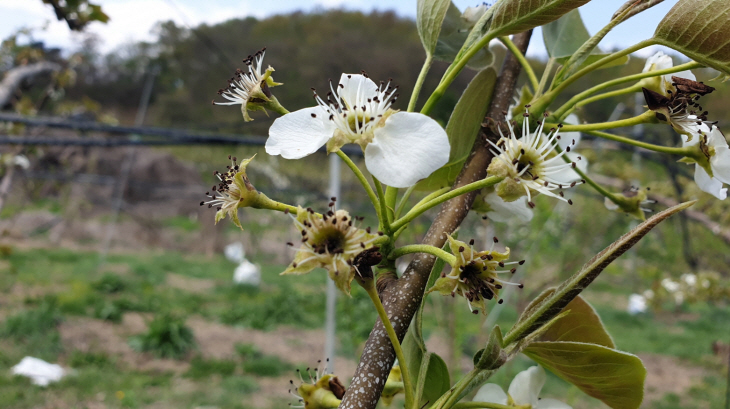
(111, 269)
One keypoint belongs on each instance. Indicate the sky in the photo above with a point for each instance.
(134, 20)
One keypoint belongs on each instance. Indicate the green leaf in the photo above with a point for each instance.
(580, 324)
(433, 379)
(699, 29)
(430, 16)
(565, 35)
(413, 351)
(454, 33)
(552, 304)
(614, 377)
(463, 127)
(516, 16)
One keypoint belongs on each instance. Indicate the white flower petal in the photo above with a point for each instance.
(658, 61)
(568, 175)
(492, 393)
(687, 74)
(503, 211)
(708, 184)
(567, 138)
(298, 134)
(552, 404)
(610, 205)
(408, 148)
(526, 386)
(356, 88)
(720, 164)
(716, 139)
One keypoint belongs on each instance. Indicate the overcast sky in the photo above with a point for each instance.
(133, 20)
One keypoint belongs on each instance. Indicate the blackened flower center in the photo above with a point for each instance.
(332, 242)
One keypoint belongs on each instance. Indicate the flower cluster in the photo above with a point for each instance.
(400, 147)
(475, 275)
(323, 391)
(330, 241)
(530, 164)
(251, 89)
(233, 191)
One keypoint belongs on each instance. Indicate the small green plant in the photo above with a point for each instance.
(167, 337)
(36, 330)
(109, 311)
(246, 350)
(79, 359)
(203, 368)
(78, 299)
(110, 284)
(255, 362)
(33, 322)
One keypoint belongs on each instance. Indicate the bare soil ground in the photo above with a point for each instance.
(215, 340)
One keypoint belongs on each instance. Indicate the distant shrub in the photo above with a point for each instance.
(167, 337)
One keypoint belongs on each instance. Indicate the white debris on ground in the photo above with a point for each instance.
(235, 253)
(39, 371)
(637, 304)
(247, 272)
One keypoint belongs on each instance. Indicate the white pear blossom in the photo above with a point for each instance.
(523, 392)
(663, 84)
(400, 148)
(714, 145)
(472, 14)
(251, 89)
(530, 164)
(674, 96)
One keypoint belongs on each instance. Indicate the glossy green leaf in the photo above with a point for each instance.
(433, 379)
(463, 127)
(614, 377)
(552, 304)
(516, 16)
(699, 29)
(580, 324)
(430, 16)
(565, 35)
(454, 33)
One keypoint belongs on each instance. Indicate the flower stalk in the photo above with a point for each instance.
(421, 208)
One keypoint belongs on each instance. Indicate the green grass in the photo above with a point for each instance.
(71, 283)
(166, 337)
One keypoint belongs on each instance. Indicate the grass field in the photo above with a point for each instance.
(121, 328)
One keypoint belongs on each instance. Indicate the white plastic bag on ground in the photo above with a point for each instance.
(637, 304)
(247, 273)
(235, 252)
(39, 371)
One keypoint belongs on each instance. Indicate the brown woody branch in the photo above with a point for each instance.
(402, 297)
